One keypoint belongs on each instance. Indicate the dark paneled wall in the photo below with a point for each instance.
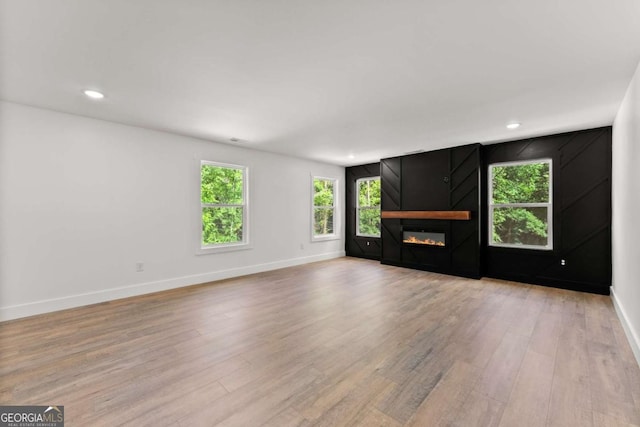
(456, 179)
(581, 213)
(425, 181)
(391, 184)
(464, 195)
(391, 197)
(362, 247)
(437, 180)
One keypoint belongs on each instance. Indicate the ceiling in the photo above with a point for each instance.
(339, 81)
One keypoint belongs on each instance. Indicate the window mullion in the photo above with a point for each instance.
(215, 205)
(521, 205)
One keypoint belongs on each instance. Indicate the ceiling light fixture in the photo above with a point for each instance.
(351, 156)
(513, 125)
(93, 94)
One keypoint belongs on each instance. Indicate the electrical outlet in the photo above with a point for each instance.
(563, 262)
(139, 267)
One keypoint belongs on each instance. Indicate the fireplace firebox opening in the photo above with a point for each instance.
(428, 238)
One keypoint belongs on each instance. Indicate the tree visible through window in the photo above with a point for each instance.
(223, 204)
(368, 207)
(520, 209)
(324, 196)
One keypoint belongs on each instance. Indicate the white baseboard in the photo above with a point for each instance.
(632, 334)
(72, 301)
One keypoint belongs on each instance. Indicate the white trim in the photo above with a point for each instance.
(222, 247)
(548, 205)
(324, 238)
(632, 335)
(225, 247)
(72, 301)
(336, 231)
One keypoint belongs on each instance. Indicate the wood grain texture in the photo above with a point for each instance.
(454, 215)
(346, 342)
(528, 403)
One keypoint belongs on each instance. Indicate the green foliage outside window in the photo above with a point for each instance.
(222, 199)
(368, 207)
(323, 206)
(521, 199)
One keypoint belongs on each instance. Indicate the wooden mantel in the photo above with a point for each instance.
(455, 215)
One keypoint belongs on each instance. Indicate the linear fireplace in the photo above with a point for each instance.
(428, 238)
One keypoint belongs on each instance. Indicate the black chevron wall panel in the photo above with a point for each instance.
(438, 180)
(456, 179)
(464, 194)
(391, 197)
(581, 255)
(391, 241)
(391, 173)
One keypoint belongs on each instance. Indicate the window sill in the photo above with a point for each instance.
(224, 248)
(325, 238)
(522, 247)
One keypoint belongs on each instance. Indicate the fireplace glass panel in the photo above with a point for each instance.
(423, 238)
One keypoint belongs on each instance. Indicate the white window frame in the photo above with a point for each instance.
(548, 205)
(334, 235)
(224, 247)
(359, 208)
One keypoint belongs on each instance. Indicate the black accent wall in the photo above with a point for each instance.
(357, 246)
(434, 181)
(456, 179)
(581, 213)
(391, 198)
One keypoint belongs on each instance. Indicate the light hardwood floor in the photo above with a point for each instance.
(346, 342)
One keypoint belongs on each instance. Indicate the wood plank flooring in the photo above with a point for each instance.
(346, 342)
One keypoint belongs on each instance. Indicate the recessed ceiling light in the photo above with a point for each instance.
(513, 125)
(93, 94)
(351, 156)
(234, 139)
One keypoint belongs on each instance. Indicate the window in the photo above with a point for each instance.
(520, 204)
(223, 202)
(324, 208)
(368, 207)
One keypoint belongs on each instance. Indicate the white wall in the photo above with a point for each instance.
(626, 206)
(83, 200)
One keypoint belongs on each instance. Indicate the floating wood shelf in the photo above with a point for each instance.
(455, 215)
